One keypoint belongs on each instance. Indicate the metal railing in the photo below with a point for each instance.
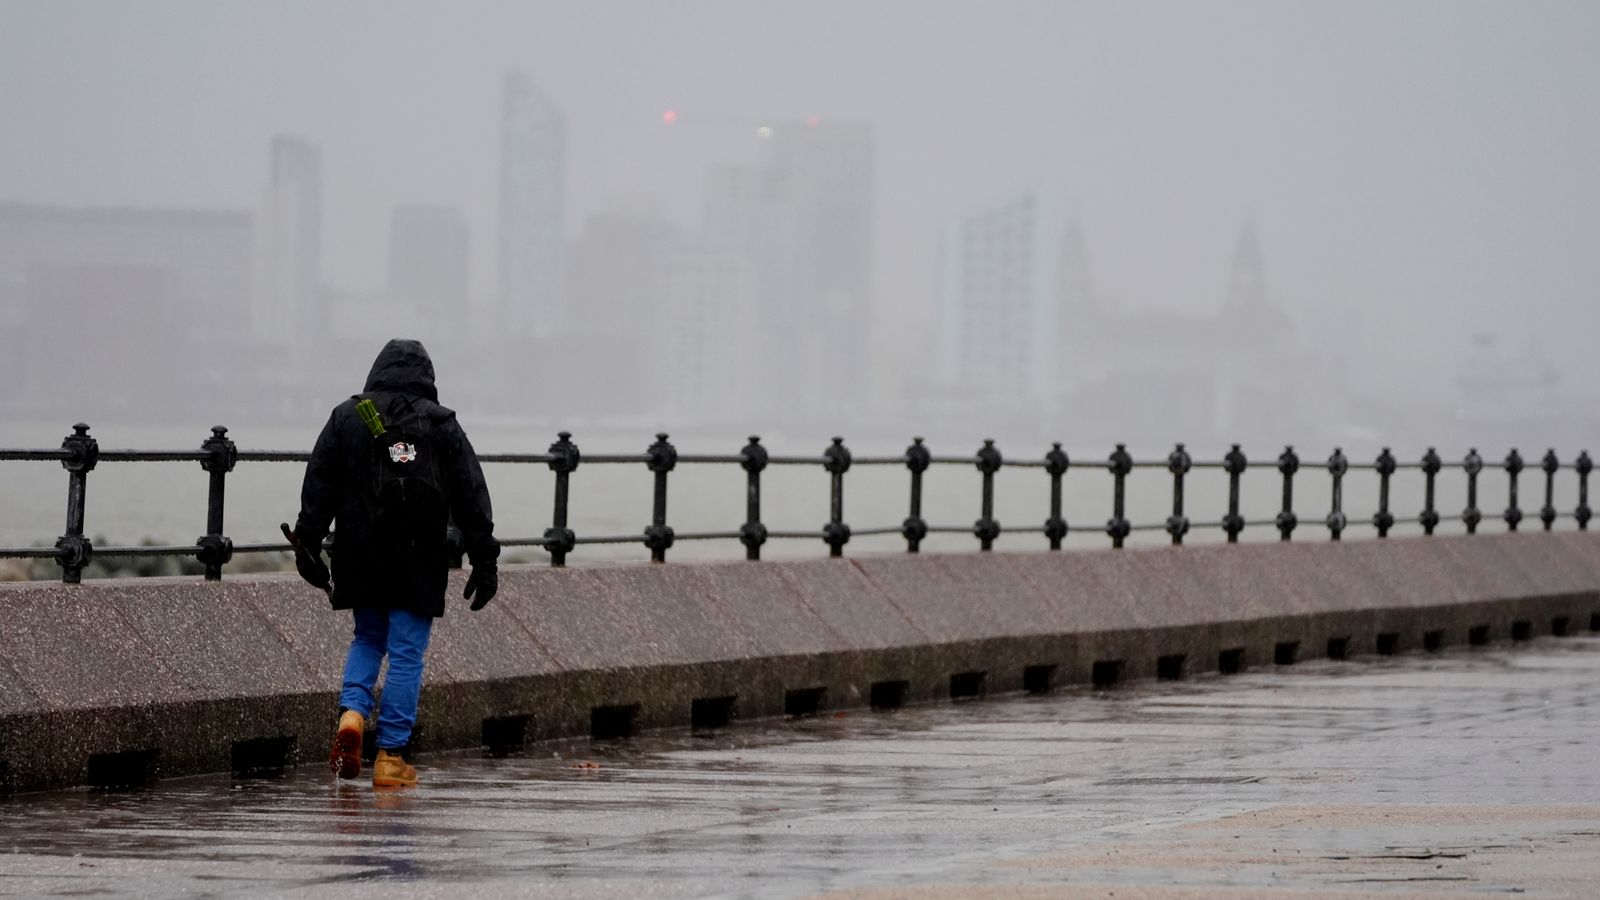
(80, 453)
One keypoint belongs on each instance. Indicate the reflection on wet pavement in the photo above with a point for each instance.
(1353, 770)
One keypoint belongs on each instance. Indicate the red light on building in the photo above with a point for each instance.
(813, 121)
(670, 116)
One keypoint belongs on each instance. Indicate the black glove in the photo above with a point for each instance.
(484, 581)
(308, 562)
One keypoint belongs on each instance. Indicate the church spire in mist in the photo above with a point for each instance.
(1247, 281)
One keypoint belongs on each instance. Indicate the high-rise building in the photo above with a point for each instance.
(613, 273)
(127, 317)
(430, 261)
(613, 316)
(205, 257)
(712, 342)
(1000, 302)
(828, 168)
(1081, 320)
(162, 296)
(533, 136)
(206, 253)
(801, 215)
(288, 305)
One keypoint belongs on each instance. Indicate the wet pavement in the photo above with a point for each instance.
(1455, 774)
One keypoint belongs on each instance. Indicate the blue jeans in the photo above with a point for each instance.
(404, 637)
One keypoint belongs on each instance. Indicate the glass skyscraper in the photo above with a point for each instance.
(533, 136)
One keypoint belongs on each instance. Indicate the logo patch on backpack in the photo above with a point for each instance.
(402, 452)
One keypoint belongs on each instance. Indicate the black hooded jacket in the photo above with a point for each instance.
(366, 573)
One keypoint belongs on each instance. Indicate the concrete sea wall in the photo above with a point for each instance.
(116, 682)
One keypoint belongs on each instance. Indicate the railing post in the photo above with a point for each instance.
(753, 458)
(1471, 516)
(986, 529)
(73, 550)
(836, 459)
(221, 455)
(564, 459)
(1288, 464)
(1337, 466)
(1431, 464)
(1584, 466)
(1055, 465)
(1233, 523)
(1385, 466)
(1547, 514)
(915, 528)
(1178, 463)
(662, 458)
(1513, 469)
(1120, 464)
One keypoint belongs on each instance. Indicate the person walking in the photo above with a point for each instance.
(391, 468)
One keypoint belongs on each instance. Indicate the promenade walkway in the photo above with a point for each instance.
(1452, 774)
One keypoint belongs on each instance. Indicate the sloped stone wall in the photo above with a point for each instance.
(115, 681)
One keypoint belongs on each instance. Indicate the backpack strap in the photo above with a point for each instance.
(367, 475)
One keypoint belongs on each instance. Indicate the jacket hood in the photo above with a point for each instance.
(403, 367)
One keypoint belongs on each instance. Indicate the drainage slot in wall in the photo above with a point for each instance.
(1106, 673)
(1338, 648)
(1559, 626)
(1285, 653)
(131, 768)
(1388, 643)
(803, 701)
(263, 757)
(608, 722)
(505, 734)
(889, 694)
(1170, 667)
(1231, 661)
(967, 685)
(712, 712)
(1433, 641)
(1478, 635)
(1521, 630)
(1039, 679)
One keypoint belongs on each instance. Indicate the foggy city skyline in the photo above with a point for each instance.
(1353, 222)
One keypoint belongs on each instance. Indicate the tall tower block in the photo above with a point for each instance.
(288, 303)
(533, 138)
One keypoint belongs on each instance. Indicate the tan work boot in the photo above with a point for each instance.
(389, 770)
(345, 760)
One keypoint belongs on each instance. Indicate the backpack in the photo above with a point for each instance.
(403, 487)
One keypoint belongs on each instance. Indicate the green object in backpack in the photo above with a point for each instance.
(369, 414)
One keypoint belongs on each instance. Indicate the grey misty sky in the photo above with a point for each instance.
(1428, 167)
